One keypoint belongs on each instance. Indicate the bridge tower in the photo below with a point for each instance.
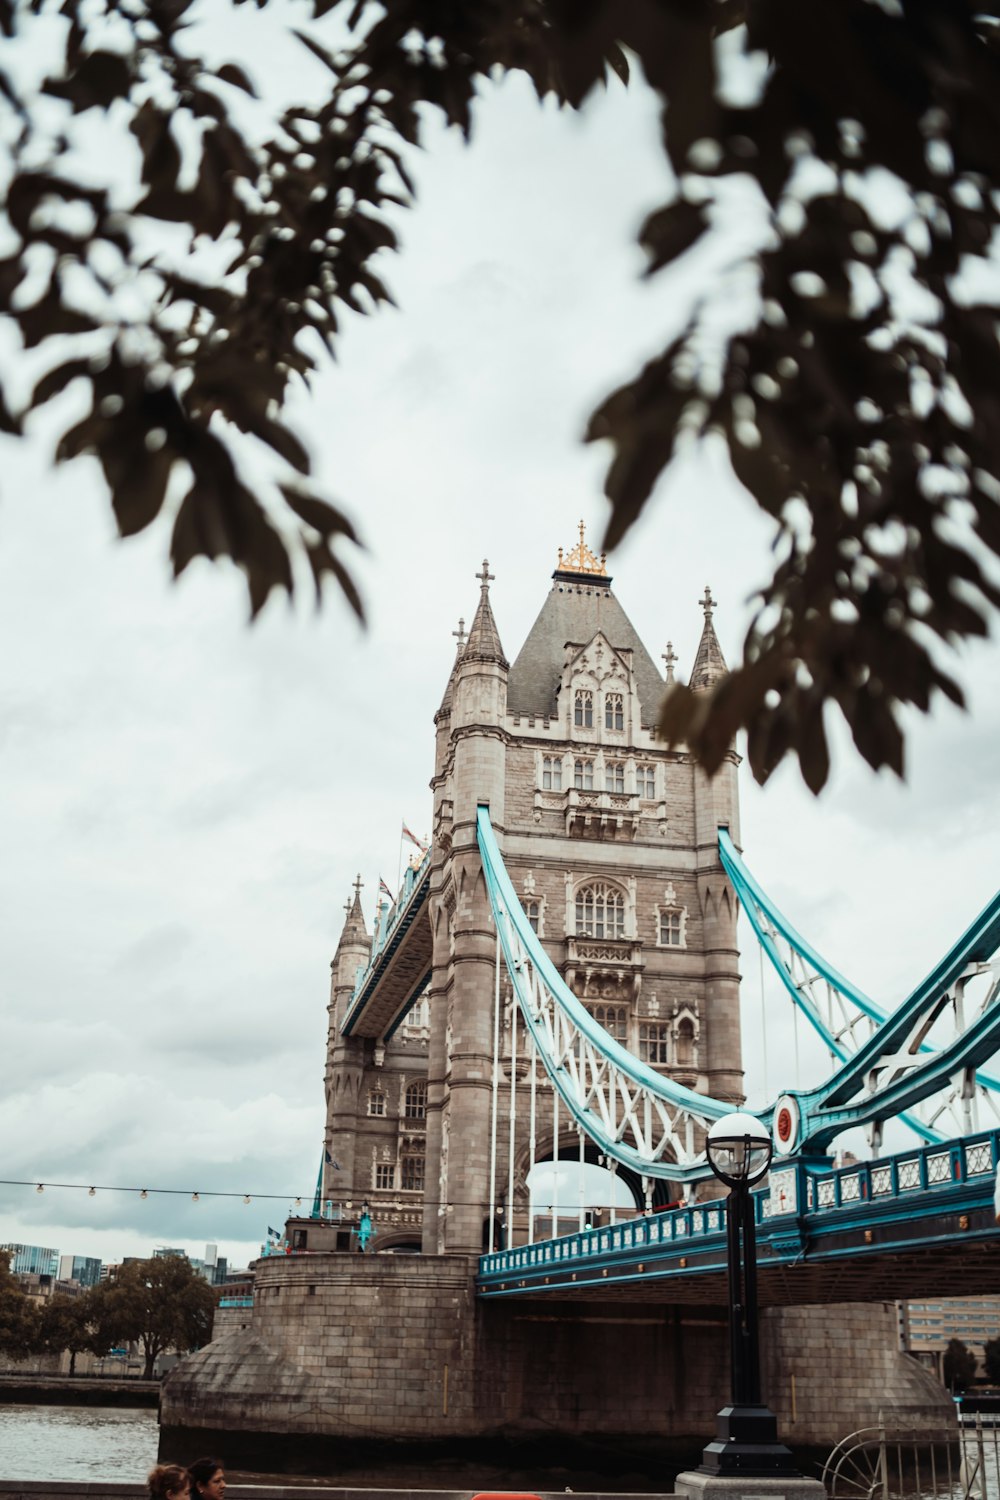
(610, 838)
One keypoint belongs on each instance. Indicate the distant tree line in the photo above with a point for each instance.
(959, 1364)
(159, 1304)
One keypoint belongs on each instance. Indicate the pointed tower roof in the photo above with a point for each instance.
(484, 638)
(449, 692)
(354, 930)
(580, 604)
(709, 662)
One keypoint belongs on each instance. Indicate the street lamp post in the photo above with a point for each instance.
(746, 1441)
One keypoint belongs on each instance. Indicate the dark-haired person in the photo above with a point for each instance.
(169, 1482)
(208, 1482)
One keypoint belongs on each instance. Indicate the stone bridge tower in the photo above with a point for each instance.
(610, 840)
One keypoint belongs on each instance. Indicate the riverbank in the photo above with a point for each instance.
(78, 1390)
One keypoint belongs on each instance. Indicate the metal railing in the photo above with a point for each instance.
(882, 1463)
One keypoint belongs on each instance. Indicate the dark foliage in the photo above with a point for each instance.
(958, 1365)
(857, 391)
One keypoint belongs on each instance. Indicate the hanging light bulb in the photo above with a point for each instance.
(40, 1188)
(195, 1198)
(298, 1202)
(92, 1192)
(144, 1194)
(246, 1197)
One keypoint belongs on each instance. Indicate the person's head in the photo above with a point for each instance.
(169, 1482)
(208, 1482)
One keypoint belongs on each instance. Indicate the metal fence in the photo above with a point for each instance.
(877, 1463)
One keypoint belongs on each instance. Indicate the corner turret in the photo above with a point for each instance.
(344, 1055)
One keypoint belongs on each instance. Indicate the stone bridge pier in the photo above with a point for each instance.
(363, 1368)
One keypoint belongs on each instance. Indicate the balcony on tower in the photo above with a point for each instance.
(603, 968)
(592, 814)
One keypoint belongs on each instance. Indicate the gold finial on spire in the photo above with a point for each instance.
(582, 559)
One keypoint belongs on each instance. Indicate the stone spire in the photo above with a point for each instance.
(709, 662)
(445, 709)
(354, 930)
(484, 638)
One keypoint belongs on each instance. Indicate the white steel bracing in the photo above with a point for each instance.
(646, 1122)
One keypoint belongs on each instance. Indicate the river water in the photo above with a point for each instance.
(77, 1442)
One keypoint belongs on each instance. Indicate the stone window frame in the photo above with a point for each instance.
(614, 711)
(583, 766)
(384, 1176)
(605, 887)
(583, 708)
(376, 1104)
(534, 910)
(603, 1010)
(614, 777)
(413, 1167)
(645, 772)
(415, 1101)
(552, 769)
(655, 1042)
(674, 910)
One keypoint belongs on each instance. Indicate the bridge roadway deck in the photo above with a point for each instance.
(920, 1224)
(400, 963)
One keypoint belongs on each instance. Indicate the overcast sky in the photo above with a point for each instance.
(187, 799)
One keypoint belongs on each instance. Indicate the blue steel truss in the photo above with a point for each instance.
(889, 1063)
(657, 1127)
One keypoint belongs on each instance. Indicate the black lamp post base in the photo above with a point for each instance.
(746, 1444)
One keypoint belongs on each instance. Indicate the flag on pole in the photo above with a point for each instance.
(385, 891)
(414, 840)
(272, 1234)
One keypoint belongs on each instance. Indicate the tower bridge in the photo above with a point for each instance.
(559, 977)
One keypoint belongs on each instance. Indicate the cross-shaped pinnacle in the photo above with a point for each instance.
(670, 660)
(358, 885)
(707, 603)
(460, 634)
(485, 577)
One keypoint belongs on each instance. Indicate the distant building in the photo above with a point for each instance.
(925, 1328)
(32, 1260)
(85, 1270)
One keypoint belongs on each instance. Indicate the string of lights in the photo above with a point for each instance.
(92, 1189)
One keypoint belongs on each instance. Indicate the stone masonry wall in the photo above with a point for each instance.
(827, 1371)
(351, 1349)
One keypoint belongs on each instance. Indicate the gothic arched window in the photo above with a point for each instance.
(415, 1103)
(376, 1102)
(583, 775)
(551, 773)
(600, 911)
(614, 714)
(614, 776)
(583, 709)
